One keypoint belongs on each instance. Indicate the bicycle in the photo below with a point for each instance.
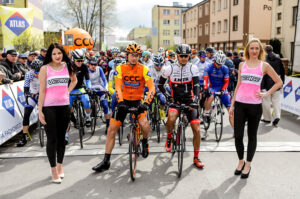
(154, 115)
(135, 137)
(179, 139)
(216, 116)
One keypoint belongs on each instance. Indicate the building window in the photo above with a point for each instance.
(234, 46)
(279, 2)
(225, 25)
(218, 46)
(224, 46)
(235, 23)
(219, 5)
(279, 15)
(166, 32)
(7, 1)
(176, 33)
(191, 33)
(235, 2)
(278, 30)
(166, 22)
(206, 29)
(176, 12)
(184, 18)
(225, 4)
(295, 10)
(176, 22)
(214, 7)
(200, 11)
(200, 30)
(219, 26)
(187, 34)
(166, 42)
(195, 32)
(206, 9)
(213, 28)
(166, 12)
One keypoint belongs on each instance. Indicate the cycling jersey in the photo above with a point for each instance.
(201, 66)
(149, 64)
(183, 80)
(155, 75)
(98, 80)
(210, 60)
(81, 74)
(218, 77)
(31, 83)
(111, 82)
(130, 82)
(195, 60)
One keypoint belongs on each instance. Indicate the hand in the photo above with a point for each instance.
(231, 111)
(19, 75)
(11, 82)
(261, 95)
(221, 92)
(143, 107)
(42, 118)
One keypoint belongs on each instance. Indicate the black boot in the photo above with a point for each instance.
(104, 165)
(23, 141)
(145, 151)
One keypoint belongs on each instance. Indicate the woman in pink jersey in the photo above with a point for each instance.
(53, 103)
(247, 102)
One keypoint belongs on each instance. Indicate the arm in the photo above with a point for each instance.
(87, 78)
(161, 84)
(27, 83)
(237, 85)
(205, 78)
(118, 84)
(196, 88)
(42, 81)
(151, 91)
(102, 76)
(73, 83)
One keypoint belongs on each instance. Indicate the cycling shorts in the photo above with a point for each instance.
(83, 98)
(224, 98)
(192, 115)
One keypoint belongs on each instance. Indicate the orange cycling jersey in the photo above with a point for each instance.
(130, 82)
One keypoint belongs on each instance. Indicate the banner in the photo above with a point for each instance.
(12, 103)
(290, 100)
(16, 22)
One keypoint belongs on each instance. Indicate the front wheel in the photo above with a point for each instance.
(132, 153)
(219, 122)
(180, 148)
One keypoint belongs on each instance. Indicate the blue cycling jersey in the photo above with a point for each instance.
(216, 76)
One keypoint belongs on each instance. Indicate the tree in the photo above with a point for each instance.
(27, 42)
(51, 37)
(149, 42)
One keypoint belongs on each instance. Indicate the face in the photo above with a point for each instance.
(115, 55)
(217, 65)
(158, 68)
(194, 55)
(202, 59)
(92, 66)
(12, 58)
(31, 57)
(133, 58)
(172, 57)
(183, 59)
(56, 56)
(254, 50)
(23, 60)
(43, 53)
(78, 62)
(146, 58)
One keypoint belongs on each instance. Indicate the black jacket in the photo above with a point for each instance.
(236, 61)
(9, 76)
(13, 68)
(276, 63)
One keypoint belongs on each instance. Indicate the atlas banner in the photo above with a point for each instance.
(14, 23)
(12, 103)
(290, 99)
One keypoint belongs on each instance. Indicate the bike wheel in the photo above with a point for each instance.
(180, 148)
(157, 123)
(81, 125)
(100, 112)
(218, 122)
(94, 117)
(132, 153)
(120, 134)
(41, 130)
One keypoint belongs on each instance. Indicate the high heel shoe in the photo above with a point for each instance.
(61, 175)
(245, 175)
(56, 181)
(239, 172)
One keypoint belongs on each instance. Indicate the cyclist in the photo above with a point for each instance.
(217, 75)
(194, 57)
(184, 82)
(129, 83)
(156, 74)
(210, 55)
(171, 58)
(82, 74)
(31, 91)
(99, 84)
(115, 53)
(201, 66)
(161, 51)
(146, 55)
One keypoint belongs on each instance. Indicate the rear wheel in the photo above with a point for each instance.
(218, 122)
(94, 117)
(180, 148)
(206, 124)
(120, 134)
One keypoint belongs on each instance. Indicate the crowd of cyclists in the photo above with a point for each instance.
(132, 79)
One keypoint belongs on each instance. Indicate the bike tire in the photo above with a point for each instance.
(41, 130)
(81, 125)
(132, 153)
(157, 123)
(180, 148)
(120, 134)
(219, 122)
(100, 112)
(94, 117)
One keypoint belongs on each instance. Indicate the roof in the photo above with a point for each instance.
(198, 4)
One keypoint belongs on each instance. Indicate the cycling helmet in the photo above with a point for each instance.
(97, 55)
(115, 50)
(146, 54)
(118, 61)
(93, 60)
(108, 52)
(77, 54)
(202, 53)
(220, 58)
(158, 60)
(183, 49)
(210, 50)
(171, 54)
(194, 51)
(133, 48)
(84, 49)
(36, 65)
(161, 50)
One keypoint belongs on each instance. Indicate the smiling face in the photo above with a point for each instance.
(56, 56)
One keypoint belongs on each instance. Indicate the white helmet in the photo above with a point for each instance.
(161, 50)
(220, 58)
(115, 50)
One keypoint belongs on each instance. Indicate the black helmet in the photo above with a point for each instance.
(158, 60)
(202, 53)
(93, 60)
(36, 65)
(77, 54)
(183, 49)
(210, 50)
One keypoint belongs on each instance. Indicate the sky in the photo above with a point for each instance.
(131, 14)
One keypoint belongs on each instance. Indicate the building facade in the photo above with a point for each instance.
(284, 19)
(166, 26)
(140, 35)
(195, 25)
(296, 59)
(37, 28)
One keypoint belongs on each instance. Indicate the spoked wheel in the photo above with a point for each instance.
(41, 130)
(180, 148)
(94, 118)
(120, 134)
(81, 125)
(218, 122)
(157, 120)
(133, 153)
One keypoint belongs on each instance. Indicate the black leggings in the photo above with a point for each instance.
(57, 119)
(242, 113)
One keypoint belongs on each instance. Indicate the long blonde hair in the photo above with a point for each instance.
(261, 51)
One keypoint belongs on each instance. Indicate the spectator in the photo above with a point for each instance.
(7, 76)
(10, 64)
(236, 60)
(232, 73)
(3, 56)
(42, 54)
(22, 64)
(31, 56)
(267, 84)
(241, 54)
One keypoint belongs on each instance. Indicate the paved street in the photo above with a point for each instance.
(25, 172)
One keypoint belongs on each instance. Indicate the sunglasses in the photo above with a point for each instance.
(93, 64)
(134, 55)
(79, 60)
(184, 56)
(24, 58)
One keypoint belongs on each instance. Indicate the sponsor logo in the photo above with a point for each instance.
(149, 74)
(250, 78)
(297, 94)
(287, 89)
(8, 103)
(21, 97)
(116, 73)
(132, 84)
(132, 78)
(58, 81)
(17, 23)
